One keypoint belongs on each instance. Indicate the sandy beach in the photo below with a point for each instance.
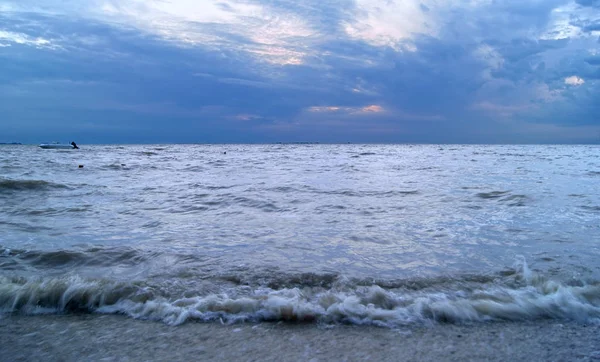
(117, 338)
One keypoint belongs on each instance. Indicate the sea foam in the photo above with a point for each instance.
(533, 297)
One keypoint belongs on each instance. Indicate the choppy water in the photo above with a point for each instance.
(367, 234)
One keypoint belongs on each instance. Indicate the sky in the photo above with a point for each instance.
(262, 71)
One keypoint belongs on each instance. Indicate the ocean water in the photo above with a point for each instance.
(385, 235)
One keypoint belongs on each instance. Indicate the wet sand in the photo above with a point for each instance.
(117, 338)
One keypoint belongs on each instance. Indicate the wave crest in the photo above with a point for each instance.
(534, 298)
(28, 185)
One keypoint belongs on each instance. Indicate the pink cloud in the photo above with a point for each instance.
(373, 108)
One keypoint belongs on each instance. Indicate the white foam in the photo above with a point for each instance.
(373, 305)
(531, 302)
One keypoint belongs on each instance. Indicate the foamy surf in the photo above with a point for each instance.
(530, 297)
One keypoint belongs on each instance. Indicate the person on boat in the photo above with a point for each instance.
(74, 145)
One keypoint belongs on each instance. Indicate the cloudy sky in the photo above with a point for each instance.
(143, 71)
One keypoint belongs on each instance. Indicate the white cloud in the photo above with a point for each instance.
(324, 109)
(566, 22)
(246, 117)
(560, 26)
(387, 23)
(544, 93)
(491, 57)
(396, 23)
(24, 39)
(369, 109)
(574, 80)
(274, 37)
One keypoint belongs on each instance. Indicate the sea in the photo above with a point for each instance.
(325, 234)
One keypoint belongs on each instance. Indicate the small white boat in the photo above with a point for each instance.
(59, 146)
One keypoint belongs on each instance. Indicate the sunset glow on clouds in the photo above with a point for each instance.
(267, 70)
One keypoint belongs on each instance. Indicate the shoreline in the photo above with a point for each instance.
(118, 338)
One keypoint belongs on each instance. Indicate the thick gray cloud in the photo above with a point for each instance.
(277, 70)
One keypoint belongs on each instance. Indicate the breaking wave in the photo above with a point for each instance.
(531, 296)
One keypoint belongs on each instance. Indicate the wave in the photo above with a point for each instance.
(342, 192)
(114, 166)
(531, 297)
(504, 196)
(28, 185)
(370, 193)
(51, 259)
(363, 154)
(590, 208)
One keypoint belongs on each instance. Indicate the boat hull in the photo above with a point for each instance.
(56, 146)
